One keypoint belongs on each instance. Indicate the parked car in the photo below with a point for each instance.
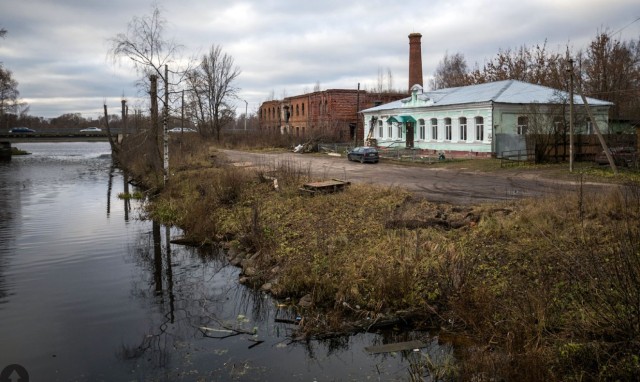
(364, 154)
(180, 130)
(21, 130)
(622, 156)
(91, 130)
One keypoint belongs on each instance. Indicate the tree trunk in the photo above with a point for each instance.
(153, 94)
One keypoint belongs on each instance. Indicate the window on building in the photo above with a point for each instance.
(434, 128)
(389, 129)
(447, 129)
(297, 110)
(380, 129)
(558, 124)
(303, 109)
(589, 126)
(463, 128)
(479, 129)
(399, 130)
(523, 124)
(422, 129)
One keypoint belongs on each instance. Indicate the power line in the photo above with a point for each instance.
(625, 27)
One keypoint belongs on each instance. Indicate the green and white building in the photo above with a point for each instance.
(484, 120)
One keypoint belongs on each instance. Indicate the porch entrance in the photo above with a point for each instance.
(409, 126)
(410, 134)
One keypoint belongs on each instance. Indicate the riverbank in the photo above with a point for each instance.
(543, 289)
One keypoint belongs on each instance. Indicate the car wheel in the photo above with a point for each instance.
(349, 158)
(362, 160)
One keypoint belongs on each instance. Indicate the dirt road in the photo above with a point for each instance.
(457, 186)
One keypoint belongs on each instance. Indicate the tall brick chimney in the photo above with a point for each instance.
(415, 60)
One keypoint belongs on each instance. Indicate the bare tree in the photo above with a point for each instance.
(534, 65)
(211, 88)
(611, 71)
(145, 45)
(380, 84)
(316, 87)
(541, 126)
(451, 72)
(150, 52)
(9, 94)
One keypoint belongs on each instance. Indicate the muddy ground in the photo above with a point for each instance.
(456, 185)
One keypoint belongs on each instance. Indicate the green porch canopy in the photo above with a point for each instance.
(401, 118)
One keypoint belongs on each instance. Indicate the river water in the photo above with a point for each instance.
(89, 291)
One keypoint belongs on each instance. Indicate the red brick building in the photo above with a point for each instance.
(332, 113)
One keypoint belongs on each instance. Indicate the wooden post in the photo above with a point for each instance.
(114, 147)
(600, 137)
(124, 117)
(165, 117)
(570, 115)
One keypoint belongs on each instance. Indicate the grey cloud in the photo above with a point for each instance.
(57, 50)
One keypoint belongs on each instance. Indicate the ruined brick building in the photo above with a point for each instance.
(333, 113)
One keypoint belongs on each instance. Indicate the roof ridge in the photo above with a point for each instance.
(502, 90)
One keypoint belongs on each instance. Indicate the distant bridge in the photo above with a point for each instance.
(51, 134)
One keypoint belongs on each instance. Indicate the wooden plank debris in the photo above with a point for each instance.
(324, 186)
(398, 346)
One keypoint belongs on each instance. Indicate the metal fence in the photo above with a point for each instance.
(339, 148)
(410, 155)
(516, 157)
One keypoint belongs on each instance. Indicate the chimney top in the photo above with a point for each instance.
(415, 60)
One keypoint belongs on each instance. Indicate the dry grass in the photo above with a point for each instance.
(547, 289)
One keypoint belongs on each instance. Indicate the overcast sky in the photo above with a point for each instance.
(57, 49)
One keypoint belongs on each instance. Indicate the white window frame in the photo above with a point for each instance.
(422, 129)
(434, 129)
(380, 129)
(447, 129)
(463, 128)
(479, 128)
(389, 129)
(523, 125)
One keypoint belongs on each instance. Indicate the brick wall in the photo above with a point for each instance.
(270, 115)
(330, 113)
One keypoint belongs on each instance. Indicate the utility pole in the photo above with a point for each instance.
(182, 114)
(570, 70)
(355, 130)
(246, 107)
(124, 117)
(612, 163)
(165, 118)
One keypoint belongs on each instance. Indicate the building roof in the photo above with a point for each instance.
(508, 92)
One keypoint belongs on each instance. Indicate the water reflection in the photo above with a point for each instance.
(7, 216)
(88, 293)
(200, 318)
(126, 199)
